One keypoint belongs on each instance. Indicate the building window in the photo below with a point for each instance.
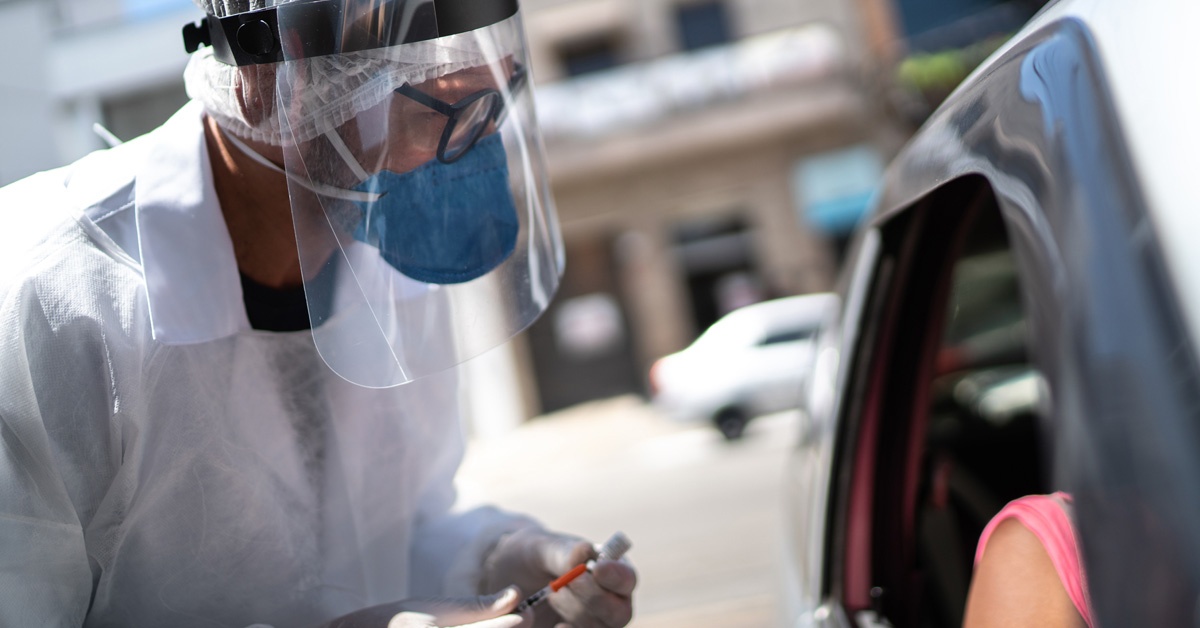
(129, 115)
(702, 24)
(590, 55)
(84, 13)
(717, 256)
(935, 25)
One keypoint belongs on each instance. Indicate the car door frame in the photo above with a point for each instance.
(1038, 126)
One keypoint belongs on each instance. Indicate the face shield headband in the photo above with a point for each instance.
(425, 231)
(328, 27)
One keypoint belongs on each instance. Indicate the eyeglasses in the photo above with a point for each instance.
(469, 118)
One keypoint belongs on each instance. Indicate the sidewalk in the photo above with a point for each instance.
(703, 514)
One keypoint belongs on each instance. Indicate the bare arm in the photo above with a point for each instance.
(1015, 585)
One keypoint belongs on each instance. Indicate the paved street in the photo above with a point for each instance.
(704, 515)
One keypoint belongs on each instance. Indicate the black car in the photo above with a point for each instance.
(1019, 316)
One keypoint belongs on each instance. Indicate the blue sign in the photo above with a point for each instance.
(833, 190)
(142, 9)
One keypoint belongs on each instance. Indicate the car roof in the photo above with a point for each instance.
(786, 313)
(807, 307)
(1147, 50)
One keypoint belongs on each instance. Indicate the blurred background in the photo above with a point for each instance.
(705, 155)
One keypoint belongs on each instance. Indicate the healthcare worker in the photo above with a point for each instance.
(227, 394)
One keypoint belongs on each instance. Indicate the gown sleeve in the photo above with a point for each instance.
(45, 573)
(450, 544)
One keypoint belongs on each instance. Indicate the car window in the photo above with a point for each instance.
(950, 426)
(981, 428)
(792, 335)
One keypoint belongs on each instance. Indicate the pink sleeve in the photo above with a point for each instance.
(1043, 515)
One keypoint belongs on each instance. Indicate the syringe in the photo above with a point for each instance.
(613, 549)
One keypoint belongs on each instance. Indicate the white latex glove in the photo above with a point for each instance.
(489, 611)
(530, 558)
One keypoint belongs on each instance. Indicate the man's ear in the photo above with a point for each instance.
(254, 86)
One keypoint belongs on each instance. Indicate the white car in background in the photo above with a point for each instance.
(750, 362)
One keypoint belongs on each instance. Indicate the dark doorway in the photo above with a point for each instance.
(717, 257)
(589, 55)
(582, 346)
(703, 24)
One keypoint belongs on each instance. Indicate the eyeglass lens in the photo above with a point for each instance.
(469, 123)
(469, 118)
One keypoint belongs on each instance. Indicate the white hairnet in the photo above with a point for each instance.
(337, 87)
(222, 8)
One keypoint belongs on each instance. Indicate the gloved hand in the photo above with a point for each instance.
(530, 558)
(489, 611)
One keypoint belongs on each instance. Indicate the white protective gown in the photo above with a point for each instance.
(163, 464)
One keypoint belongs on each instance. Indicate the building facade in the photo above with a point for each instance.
(704, 155)
(71, 64)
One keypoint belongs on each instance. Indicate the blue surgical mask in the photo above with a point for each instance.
(444, 223)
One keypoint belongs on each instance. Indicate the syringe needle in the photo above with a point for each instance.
(613, 549)
(560, 582)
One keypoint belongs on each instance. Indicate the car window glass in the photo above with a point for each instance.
(791, 335)
(980, 444)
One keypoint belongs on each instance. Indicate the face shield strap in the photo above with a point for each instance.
(316, 28)
(319, 189)
(347, 156)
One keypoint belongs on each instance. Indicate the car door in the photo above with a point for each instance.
(944, 417)
(922, 419)
(862, 464)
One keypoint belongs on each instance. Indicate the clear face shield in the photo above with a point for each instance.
(425, 230)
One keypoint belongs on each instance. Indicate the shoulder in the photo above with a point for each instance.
(1043, 515)
(32, 210)
(1015, 584)
(1016, 581)
(56, 264)
(92, 200)
(67, 211)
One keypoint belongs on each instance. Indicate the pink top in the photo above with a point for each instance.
(1046, 516)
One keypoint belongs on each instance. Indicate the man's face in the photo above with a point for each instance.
(397, 135)
(401, 134)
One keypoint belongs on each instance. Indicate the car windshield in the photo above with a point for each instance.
(752, 327)
(738, 329)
